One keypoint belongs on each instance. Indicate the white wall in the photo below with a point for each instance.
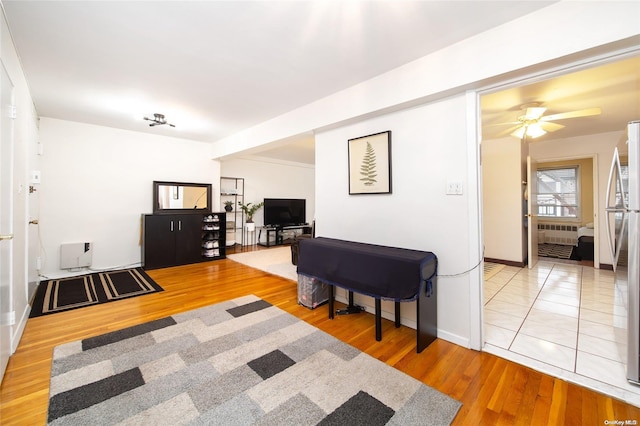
(428, 145)
(97, 182)
(273, 179)
(502, 197)
(601, 146)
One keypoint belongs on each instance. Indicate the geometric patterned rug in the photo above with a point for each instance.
(238, 362)
(63, 294)
(559, 251)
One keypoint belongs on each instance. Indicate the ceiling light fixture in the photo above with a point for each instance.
(158, 120)
(531, 130)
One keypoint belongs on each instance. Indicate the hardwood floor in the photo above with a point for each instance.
(492, 390)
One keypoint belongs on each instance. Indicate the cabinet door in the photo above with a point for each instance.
(188, 247)
(159, 247)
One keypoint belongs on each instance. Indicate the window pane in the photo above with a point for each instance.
(558, 192)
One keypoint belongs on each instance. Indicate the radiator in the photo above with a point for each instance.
(557, 233)
(75, 255)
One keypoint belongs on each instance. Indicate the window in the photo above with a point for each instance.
(558, 193)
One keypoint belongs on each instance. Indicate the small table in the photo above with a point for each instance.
(381, 272)
(277, 230)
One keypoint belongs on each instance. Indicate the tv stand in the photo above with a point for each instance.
(278, 231)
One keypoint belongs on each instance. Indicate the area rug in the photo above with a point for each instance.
(558, 251)
(87, 290)
(276, 260)
(239, 362)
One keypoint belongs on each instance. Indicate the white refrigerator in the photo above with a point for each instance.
(623, 227)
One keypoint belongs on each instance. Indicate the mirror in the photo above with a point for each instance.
(180, 197)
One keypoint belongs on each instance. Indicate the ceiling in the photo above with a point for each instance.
(612, 87)
(214, 68)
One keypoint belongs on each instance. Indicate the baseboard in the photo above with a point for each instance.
(505, 262)
(60, 274)
(411, 323)
(19, 329)
(455, 339)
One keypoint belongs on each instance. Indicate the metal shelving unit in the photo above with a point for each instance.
(232, 189)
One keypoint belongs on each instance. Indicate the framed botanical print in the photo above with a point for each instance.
(370, 164)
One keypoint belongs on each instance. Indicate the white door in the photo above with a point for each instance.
(6, 217)
(532, 211)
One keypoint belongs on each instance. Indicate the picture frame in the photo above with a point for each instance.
(370, 164)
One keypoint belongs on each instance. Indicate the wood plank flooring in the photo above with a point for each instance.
(492, 390)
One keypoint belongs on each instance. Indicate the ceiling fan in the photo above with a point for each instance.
(533, 123)
(158, 120)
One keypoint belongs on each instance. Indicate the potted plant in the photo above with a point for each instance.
(249, 210)
(228, 206)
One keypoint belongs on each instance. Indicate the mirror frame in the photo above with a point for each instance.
(159, 210)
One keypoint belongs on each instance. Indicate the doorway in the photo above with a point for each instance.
(529, 294)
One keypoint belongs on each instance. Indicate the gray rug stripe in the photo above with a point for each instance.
(208, 367)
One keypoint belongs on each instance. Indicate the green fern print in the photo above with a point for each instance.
(368, 167)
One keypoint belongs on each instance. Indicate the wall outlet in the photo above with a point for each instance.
(454, 187)
(8, 318)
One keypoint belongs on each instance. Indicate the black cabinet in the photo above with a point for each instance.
(179, 239)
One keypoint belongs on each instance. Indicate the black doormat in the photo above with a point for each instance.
(87, 290)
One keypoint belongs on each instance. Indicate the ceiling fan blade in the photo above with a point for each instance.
(550, 127)
(511, 123)
(534, 113)
(508, 131)
(572, 114)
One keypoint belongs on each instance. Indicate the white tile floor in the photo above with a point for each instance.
(566, 320)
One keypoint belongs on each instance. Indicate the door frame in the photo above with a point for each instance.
(532, 211)
(7, 315)
(474, 138)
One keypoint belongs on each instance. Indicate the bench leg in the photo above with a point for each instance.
(351, 308)
(331, 294)
(378, 320)
(427, 316)
(397, 314)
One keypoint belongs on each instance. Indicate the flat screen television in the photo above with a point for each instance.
(284, 211)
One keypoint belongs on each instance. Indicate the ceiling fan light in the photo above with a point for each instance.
(535, 131)
(519, 133)
(532, 131)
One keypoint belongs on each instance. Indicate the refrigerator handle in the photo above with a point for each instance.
(609, 209)
(610, 237)
(614, 167)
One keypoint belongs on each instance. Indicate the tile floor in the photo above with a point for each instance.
(566, 320)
